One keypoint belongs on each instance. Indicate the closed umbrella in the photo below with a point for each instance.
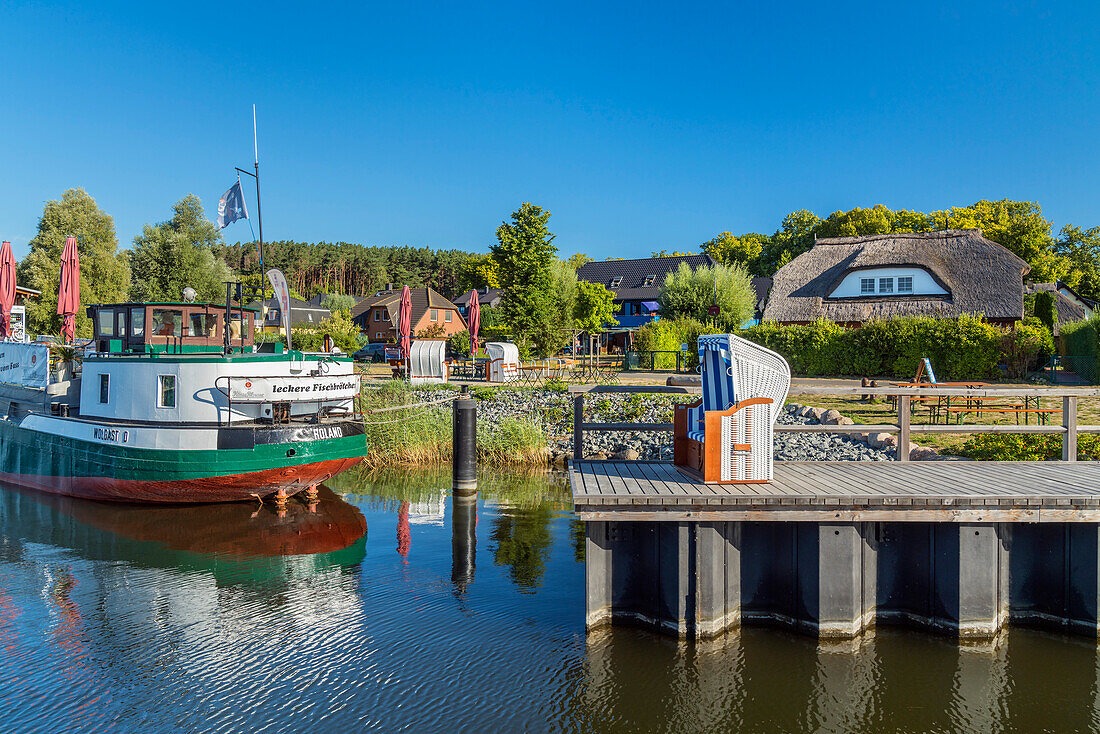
(7, 289)
(68, 294)
(473, 319)
(404, 323)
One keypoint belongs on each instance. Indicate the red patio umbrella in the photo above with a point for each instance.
(68, 294)
(473, 320)
(404, 323)
(7, 288)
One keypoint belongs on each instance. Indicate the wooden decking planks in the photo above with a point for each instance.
(952, 491)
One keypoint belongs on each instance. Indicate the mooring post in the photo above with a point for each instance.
(464, 445)
(903, 428)
(578, 427)
(1069, 422)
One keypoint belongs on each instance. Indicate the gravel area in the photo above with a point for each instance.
(553, 411)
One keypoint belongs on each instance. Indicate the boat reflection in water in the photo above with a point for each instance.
(224, 537)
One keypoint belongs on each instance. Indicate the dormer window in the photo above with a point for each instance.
(615, 282)
(911, 280)
(649, 280)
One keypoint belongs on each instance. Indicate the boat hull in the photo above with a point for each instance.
(262, 462)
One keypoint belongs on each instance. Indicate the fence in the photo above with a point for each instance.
(903, 428)
(655, 361)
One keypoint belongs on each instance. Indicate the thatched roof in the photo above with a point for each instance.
(1071, 305)
(979, 275)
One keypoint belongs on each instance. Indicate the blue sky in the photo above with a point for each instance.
(640, 126)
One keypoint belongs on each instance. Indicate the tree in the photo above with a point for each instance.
(477, 272)
(1081, 248)
(688, 293)
(179, 253)
(594, 308)
(525, 259)
(729, 249)
(338, 303)
(577, 259)
(104, 273)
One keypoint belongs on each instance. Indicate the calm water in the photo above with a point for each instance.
(389, 608)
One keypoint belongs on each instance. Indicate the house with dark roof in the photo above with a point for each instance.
(302, 313)
(376, 316)
(318, 299)
(485, 297)
(943, 274)
(1070, 305)
(637, 286)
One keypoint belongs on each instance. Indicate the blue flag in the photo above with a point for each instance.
(231, 206)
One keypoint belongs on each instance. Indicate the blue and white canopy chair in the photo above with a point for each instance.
(726, 437)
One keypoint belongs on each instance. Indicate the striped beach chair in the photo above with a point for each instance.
(726, 436)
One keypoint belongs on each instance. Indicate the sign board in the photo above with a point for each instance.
(293, 389)
(19, 324)
(714, 310)
(928, 371)
(25, 364)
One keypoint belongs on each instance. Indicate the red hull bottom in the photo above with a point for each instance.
(228, 488)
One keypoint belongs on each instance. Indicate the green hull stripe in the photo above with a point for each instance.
(40, 454)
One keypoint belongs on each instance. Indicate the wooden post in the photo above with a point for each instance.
(578, 427)
(1069, 422)
(903, 428)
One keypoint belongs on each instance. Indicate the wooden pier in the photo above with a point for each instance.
(835, 547)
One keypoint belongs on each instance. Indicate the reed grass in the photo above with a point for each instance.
(421, 436)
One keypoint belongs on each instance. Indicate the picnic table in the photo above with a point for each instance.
(942, 404)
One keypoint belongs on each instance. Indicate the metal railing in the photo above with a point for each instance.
(655, 361)
(903, 428)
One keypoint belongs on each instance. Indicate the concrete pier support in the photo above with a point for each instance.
(835, 579)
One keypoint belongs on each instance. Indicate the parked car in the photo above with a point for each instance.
(374, 352)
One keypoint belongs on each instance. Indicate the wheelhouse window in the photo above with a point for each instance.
(204, 325)
(166, 391)
(106, 325)
(885, 285)
(167, 322)
(905, 284)
(120, 322)
(104, 388)
(137, 321)
(866, 285)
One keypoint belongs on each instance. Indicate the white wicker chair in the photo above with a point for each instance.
(727, 435)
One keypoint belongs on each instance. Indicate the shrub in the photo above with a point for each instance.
(1026, 447)
(1027, 347)
(1079, 339)
(459, 344)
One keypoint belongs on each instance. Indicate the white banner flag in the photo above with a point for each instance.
(282, 294)
(25, 364)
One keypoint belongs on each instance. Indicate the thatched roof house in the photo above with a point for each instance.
(943, 274)
(1070, 305)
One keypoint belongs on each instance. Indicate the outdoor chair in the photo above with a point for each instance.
(726, 436)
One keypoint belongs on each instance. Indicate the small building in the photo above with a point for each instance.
(637, 286)
(376, 316)
(22, 294)
(302, 313)
(486, 297)
(942, 274)
(1070, 305)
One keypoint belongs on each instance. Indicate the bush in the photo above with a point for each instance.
(345, 334)
(1027, 347)
(1026, 447)
(1079, 339)
(966, 347)
(459, 344)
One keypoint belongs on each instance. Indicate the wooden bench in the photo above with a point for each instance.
(1041, 413)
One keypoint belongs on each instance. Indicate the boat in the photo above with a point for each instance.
(175, 402)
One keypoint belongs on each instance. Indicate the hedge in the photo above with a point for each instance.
(963, 348)
(1079, 339)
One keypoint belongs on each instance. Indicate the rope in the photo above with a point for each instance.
(410, 405)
